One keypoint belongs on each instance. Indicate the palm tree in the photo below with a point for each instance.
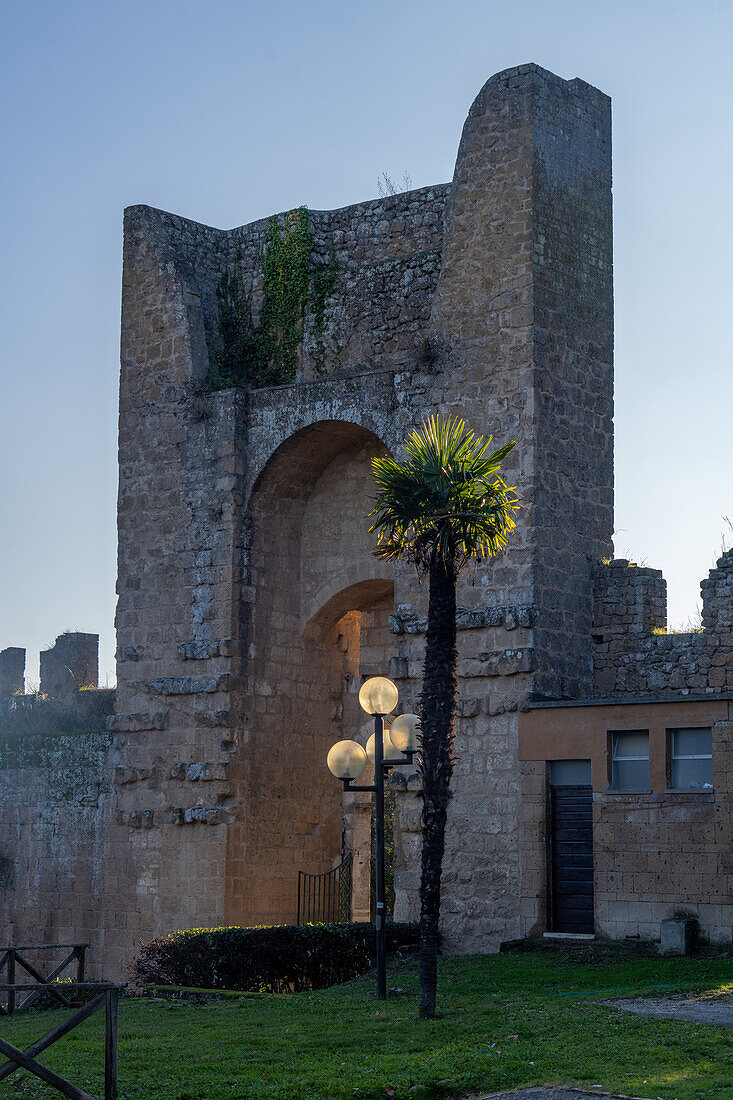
(444, 506)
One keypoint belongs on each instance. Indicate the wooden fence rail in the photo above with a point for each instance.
(108, 999)
(12, 958)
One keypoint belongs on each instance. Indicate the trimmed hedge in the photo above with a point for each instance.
(284, 958)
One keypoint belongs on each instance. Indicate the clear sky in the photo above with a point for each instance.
(227, 110)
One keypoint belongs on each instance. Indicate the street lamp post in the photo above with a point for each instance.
(347, 760)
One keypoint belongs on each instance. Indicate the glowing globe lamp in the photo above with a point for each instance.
(378, 695)
(404, 733)
(346, 760)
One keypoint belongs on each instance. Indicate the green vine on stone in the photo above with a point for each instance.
(294, 295)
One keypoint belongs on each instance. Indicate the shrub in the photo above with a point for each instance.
(279, 959)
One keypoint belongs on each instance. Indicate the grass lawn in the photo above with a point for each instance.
(505, 1021)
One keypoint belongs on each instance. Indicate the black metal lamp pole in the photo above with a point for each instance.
(347, 759)
(381, 767)
(379, 851)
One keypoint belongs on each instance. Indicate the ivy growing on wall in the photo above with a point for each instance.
(294, 295)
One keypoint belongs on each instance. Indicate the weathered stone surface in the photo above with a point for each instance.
(508, 662)
(633, 654)
(56, 801)
(129, 723)
(204, 650)
(71, 663)
(123, 775)
(12, 671)
(186, 685)
(675, 937)
(201, 815)
(407, 621)
(128, 653)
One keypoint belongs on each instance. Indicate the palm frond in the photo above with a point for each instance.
(446, 499)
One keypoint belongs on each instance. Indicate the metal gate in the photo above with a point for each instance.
(325, 899)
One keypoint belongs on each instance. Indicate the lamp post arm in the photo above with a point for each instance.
(406, 758)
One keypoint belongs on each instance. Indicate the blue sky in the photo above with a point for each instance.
(225, 112)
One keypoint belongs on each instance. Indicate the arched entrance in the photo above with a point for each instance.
(316, 610)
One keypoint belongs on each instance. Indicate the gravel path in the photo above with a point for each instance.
(717, 1012)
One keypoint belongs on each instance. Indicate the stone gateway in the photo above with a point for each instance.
(251, 607)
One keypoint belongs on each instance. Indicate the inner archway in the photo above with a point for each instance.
(319, 624)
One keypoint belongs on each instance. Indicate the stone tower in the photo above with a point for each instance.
(250, 604)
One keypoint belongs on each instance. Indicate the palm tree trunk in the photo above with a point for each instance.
(438, 706)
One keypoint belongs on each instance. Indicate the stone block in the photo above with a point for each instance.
(134, 723)
(508, 663)
(677, 936)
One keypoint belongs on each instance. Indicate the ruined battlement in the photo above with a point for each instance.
(386, 254)
(70, 664)
(12, 671)
(633, 652)
(69, 696)
(627, 599)
(717, 596)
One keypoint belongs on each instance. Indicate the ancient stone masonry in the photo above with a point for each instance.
(633, 653)
(250, 603)
(55, 795)
(12, 671)
(71, 663)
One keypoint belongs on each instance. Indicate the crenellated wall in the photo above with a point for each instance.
(12, 671)
(55, 796)
(71, 663)
(633, 654)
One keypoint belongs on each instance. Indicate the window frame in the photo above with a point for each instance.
(671, 789)
(611, 789)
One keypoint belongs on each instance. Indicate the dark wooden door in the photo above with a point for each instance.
(571, 858)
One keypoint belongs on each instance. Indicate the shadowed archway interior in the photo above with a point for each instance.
(319, 625)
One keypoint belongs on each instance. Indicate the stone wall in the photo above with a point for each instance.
(71, 663)
(633, 655)
(250, 606)
(387, 253)
(55, 805)
(628, 600)
(12, 671)
(55, 797)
